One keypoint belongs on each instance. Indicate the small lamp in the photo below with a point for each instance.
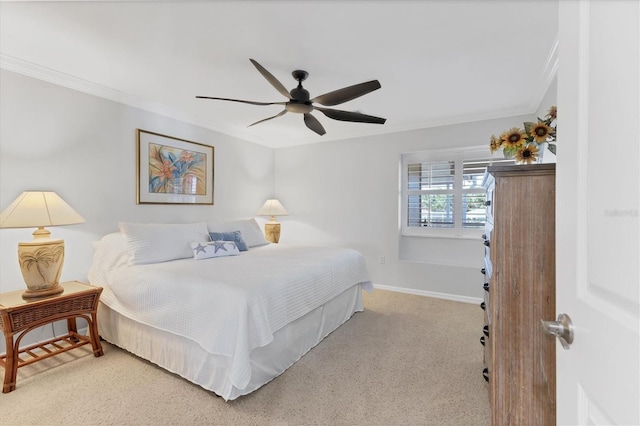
(272, 208)
(41, 259)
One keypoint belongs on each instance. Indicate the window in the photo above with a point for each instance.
(442, 193)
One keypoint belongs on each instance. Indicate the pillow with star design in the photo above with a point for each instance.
(235, 236)
(211, 249)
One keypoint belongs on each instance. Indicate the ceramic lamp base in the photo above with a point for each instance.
(272, 231)
(41, 266)
(36, 294)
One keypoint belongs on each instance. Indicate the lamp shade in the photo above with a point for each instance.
(38, 209)
(272, 208)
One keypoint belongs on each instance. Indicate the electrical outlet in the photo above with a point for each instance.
(382, 260)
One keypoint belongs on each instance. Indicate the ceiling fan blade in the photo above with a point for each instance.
(283, 112)
(240, 100)
(314, 124)
(346, 94)
(337, 114)
(271, 79)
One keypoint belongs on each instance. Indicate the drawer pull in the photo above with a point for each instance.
(485, 286)
(485, 330)
(485, 374)
(483, 306)
(482, 340)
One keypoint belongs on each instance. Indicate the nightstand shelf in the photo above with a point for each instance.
(18, 317)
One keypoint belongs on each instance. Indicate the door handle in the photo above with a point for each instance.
(562, 329)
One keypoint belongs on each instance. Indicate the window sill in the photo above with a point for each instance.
(470, 236)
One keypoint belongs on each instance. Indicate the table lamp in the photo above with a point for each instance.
(41, 259)
(272, 208)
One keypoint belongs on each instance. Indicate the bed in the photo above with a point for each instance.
(219, 305)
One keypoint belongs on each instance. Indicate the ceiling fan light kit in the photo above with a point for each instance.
(300, 103)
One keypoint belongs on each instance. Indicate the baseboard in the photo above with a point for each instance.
(434, 294)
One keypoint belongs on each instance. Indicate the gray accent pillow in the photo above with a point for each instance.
(235, 236)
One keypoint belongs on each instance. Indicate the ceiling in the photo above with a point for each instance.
(439, 62)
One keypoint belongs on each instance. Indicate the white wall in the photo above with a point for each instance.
(347, 193)
(83, 147)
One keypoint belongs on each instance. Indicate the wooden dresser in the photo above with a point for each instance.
(520, 291)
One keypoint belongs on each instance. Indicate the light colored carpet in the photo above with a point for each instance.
(405, 360)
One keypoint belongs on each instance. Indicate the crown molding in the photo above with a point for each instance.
(549, 73)
(30, 69)
(59, 78)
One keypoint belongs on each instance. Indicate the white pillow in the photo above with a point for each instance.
(251, 232)
(110, 254)
(154, 242)
(214, 249)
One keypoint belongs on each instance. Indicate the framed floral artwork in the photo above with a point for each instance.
(172, 170)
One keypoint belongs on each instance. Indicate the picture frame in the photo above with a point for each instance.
(172, 170)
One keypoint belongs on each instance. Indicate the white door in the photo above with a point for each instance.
(598, 192)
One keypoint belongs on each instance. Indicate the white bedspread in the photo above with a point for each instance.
(232, 305)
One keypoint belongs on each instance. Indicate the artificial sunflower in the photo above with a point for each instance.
(552, 114)
(527, 154)
(539, 132)
(513, 138)
(495, 143)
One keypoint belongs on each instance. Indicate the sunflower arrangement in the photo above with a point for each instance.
(525, 144)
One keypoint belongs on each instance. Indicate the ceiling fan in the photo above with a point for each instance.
(300, 103)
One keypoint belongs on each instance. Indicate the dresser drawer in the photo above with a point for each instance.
(488, 268)
(485, 305)
(488, 227)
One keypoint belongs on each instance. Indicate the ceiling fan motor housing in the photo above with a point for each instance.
(300, 94)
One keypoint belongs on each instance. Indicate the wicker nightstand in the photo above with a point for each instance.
(18, 317)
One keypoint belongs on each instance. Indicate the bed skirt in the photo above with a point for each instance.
(188, 359)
